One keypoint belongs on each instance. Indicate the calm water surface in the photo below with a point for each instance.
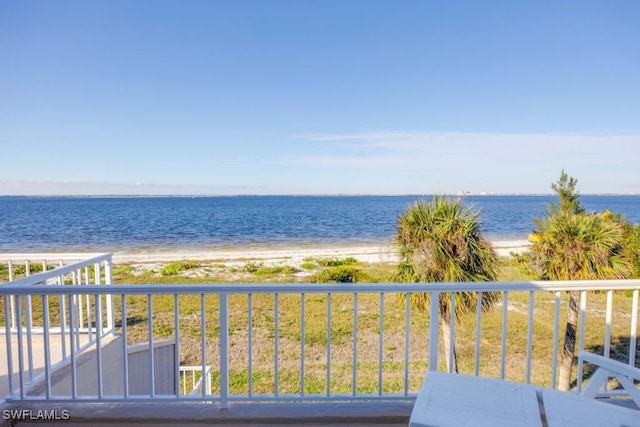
(117, 224)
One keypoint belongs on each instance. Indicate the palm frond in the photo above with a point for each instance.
(581, 246)
(441, 241)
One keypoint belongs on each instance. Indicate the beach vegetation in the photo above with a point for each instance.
(121, 270)
(512, 269)
(251, 267)
(441, 241)
(631, 249)
(275, 270)
(336, 262)
(20, 270)
(572, 244)
(376, 273)
(523, 262)
(307, 265)
(338, 274)
(176, 267)
(259, 269)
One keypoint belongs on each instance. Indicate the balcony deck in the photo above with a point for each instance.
(181, 413)
(38, 360)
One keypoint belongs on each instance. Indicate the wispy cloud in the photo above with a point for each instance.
(411, 149)
(452, 161)
(384, 162)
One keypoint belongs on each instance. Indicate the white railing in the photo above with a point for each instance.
(33, 319)
(49, 269)
(259, 342)
(192, 381)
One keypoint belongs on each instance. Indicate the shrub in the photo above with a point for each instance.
(173, 268)
(259, 269)
(336, 262)
(122, 269)
(525, 263)
(252, 267)
(340, 274)
(282, 269)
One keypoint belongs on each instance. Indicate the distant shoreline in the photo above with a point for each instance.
(133, 196)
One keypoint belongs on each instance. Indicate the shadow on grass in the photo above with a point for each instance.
(131, 321)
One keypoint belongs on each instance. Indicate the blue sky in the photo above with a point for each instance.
(318, 97)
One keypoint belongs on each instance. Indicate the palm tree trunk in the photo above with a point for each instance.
(445, 322)
(569, 349)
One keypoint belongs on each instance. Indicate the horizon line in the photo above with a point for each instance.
(457, 194)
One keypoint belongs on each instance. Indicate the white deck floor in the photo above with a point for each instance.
(38, 357)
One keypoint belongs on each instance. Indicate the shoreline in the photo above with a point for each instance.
(381, 252)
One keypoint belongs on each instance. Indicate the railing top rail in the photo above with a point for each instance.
(48, 256)
(50, 274)
(15, 288)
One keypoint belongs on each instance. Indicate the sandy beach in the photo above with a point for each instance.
(293, 255)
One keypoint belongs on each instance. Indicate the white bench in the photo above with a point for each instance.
(564, 408)
(606, 369)
(462, 400)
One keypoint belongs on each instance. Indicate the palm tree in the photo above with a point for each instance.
(441, 241)
(570, 244)
(631, 236)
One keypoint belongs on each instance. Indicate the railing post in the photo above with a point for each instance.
(152, 362)
(73, 349)
(47, 344)
(13, 306)
(108, 279)
(125, 351)
(503, 341)
(20, 346)
(582, 325)
(434, 318)
(556, 329)
(176, 346)
(99, 332)
(8, 338)
(607, 326)
(29, 323)
(634, 328)
(224, 351)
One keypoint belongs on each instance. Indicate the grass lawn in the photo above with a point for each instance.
(287, 327)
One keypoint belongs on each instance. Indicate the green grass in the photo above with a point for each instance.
(19, 270)
(308, 265)
(335, 262)
(340, 336)
(316, 335)
(259, 269)
(174, 268)
(341, 274)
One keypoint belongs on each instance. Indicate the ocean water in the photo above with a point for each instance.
(193, 223)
